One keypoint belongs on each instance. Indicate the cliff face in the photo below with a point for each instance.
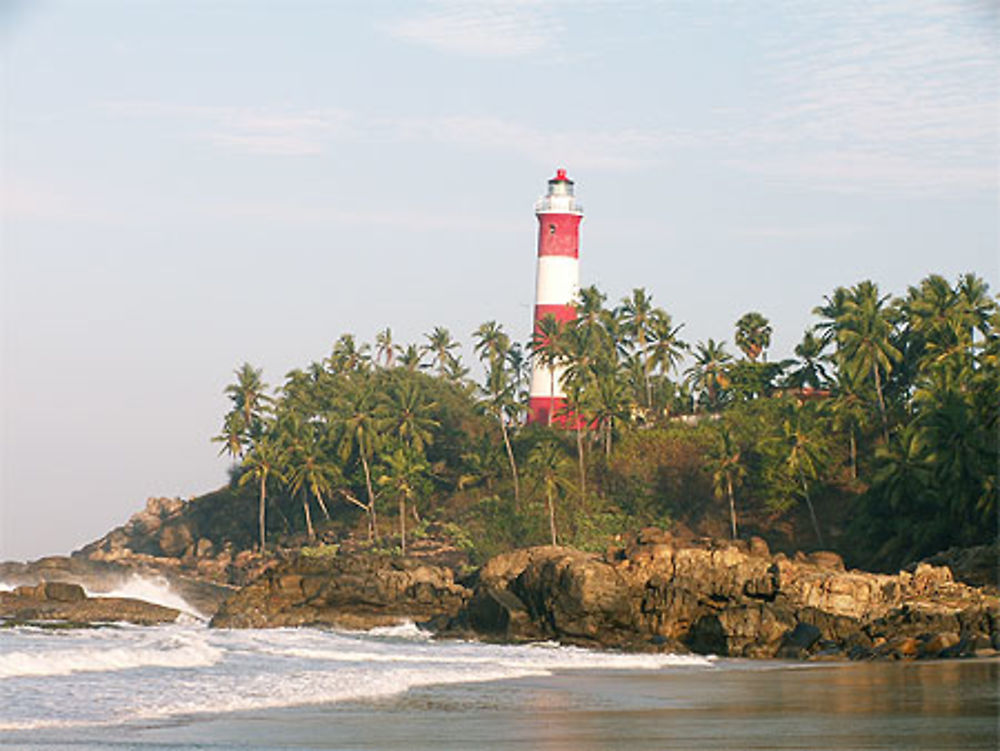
(728, 599)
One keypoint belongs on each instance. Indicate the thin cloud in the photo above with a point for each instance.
(290, 132)
(501, 29)
(413, 221)
(277, 131)
(24, 200)
(899, 96)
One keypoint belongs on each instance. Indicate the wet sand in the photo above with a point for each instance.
(738, 705)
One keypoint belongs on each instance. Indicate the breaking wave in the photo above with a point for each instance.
(156, 590)
(177, 652)
(137, 674)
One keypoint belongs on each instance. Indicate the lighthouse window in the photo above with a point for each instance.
(552, 229)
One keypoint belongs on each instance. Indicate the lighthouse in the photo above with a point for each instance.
(557, 286)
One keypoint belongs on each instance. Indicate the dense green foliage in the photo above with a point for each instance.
(878, 438)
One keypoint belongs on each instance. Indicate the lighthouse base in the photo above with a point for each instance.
(540, 406)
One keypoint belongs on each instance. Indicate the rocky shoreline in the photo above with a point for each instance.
(653, 592)
(656, 593)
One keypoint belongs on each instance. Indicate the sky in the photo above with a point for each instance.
(185, 186)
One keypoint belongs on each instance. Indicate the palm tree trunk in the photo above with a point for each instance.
(854, 455)
(322, 505)
(812, 511)
(372, 521)
(402, 523)
(881, 402)
(513, 465)
(305, 509)
(645, 376)
(552, 393)
(732, 505)
(261, 511)
(607, 437)
(552, 512)
(580, 459)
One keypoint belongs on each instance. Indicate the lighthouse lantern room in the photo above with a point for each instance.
(557, 287)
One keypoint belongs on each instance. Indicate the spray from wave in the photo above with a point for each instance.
(156, 590)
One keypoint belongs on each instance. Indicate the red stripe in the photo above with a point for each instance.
(538, 412)
(559, 235)
(562, 313)
(538, 409)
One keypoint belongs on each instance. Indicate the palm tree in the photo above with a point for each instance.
(403, 469)
(708, 373)
(666, 348)
(849, 414)
(493, 346)
(726, 464)
(348, 356)
(439, 346)
(518, 364)
(802, 452)
(831, 314)
(810, 370)
(902, 474)
(865, 337)
(610, 402)
(360, 426)
(960, 455)
(546, 348)
(407, 415)
(249, 397)
(232, 435)
(637, 315)
(309, 471)
(410, 358)
(547, 462)
(384, 348)
(977, 305)
(264, 461)
(580, 351)
(753, 335)
(492, 343)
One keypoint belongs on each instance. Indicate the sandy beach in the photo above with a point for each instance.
(735, 705)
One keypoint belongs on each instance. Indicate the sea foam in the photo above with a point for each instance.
(177, 652)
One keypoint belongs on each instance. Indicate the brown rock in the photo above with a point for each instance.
(43, 603)
(359, 591)
(175, 539)
(728, 599)
(938, 643)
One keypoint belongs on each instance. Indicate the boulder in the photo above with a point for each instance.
(66, 602)
(357, 591)
(797, 642)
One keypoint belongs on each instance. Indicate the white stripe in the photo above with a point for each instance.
(558, 280)
(541, 382)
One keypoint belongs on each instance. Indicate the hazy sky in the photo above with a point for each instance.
(188, 185)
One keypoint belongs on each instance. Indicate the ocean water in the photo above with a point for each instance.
(187, 686)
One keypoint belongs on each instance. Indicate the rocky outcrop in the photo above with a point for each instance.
(727, 598)
(978, 566)
(99, 576)
(359, 591)
(68, 603)
(207, 538)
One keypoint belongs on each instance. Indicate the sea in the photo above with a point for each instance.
(185, 686)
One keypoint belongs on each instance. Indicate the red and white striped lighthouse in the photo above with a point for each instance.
(557, 286)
